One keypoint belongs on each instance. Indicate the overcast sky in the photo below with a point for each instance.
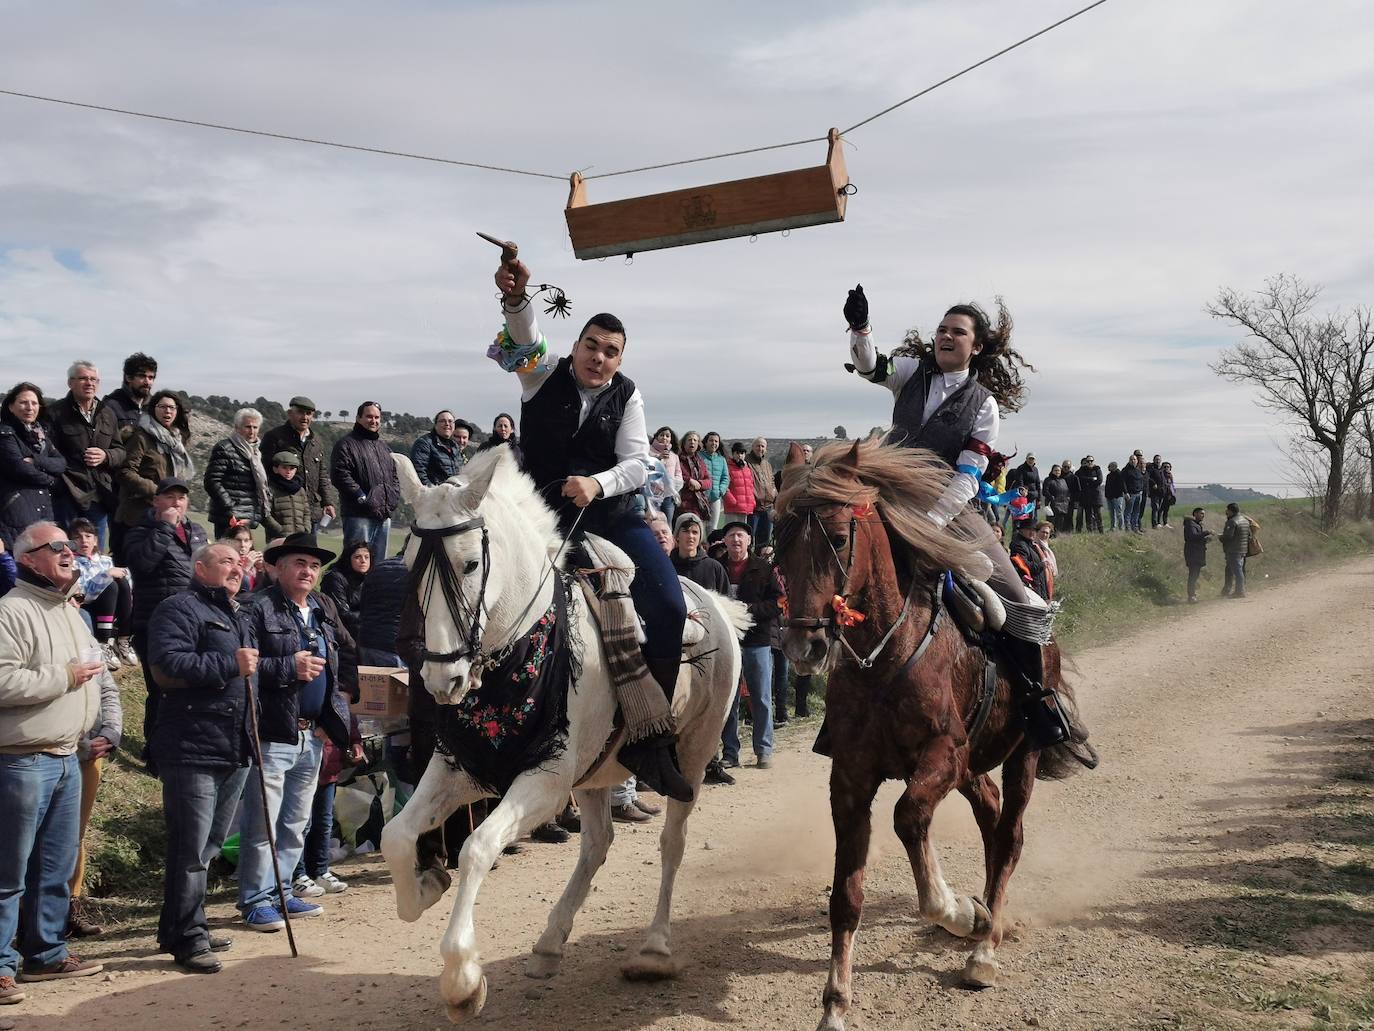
(1105, 179)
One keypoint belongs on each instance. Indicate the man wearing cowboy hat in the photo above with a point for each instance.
(301, 704)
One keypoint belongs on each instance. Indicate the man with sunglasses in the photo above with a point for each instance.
(301, 702)
(51, 681)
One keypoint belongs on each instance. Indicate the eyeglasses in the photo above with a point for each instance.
(56, 547)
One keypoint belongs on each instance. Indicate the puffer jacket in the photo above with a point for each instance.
(40, 709)
(1028, 476)
(160, 562)
(72, 434)
(739, 496)
(435, 459)
(314, 470)
(144, 464)
(30, 471)
(232, 487)
(1133, 479)
(279, 639)
(346, 590)
(383, 597)
(1055, 492)
(720, 475)
(203, 717)
(364, 474)
(1235, 535)
(290, 512)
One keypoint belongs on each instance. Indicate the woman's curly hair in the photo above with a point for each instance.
(997, 366)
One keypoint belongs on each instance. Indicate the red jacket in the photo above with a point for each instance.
(739, 496)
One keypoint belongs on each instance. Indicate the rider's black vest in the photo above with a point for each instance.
(556, 447)
(949, 426)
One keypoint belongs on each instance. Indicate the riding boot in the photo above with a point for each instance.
(653, 761)
(1046, 723)
(822, 745)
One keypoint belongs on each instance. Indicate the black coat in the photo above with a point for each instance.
(160, 562)
(347, 593)
(232, 487)
(1091, 491)
(760, 589)
(1025, 476)
(72, 434)
(363, 472)
(382, 598)
(1133, 479)
(279, 639)
(1195, 538)
(702, 570)
(29, 474)
(1114, 489)
(125, 408)
(435, 459)
(203, 716)
(314, 470)
(1056, 491)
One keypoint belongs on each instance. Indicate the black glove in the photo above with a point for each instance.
(856, 308)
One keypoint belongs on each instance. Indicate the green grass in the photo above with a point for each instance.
(1112, 584)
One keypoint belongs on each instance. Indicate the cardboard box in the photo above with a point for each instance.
(383, 691)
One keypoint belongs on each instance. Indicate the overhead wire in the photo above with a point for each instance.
(549, 175)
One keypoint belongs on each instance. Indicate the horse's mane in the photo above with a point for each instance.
(512, 486)
(902, 483)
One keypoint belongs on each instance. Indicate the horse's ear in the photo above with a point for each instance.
(411, 487)
(480, 481)
(795, 454)
(851, 460)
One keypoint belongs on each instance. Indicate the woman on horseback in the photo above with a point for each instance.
(586, 446)
(949, 397)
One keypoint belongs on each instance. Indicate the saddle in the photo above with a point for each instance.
(974, 606)
(608, 581)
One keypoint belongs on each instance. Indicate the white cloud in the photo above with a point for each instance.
(1106, 180)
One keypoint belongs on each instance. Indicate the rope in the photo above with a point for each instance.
(283, 136)
(548, 175)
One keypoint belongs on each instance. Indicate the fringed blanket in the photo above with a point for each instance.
(518, 718)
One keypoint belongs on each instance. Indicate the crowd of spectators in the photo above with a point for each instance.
(102, 565)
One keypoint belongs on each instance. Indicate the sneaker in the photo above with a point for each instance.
(264, 918)
(299, 907)
(303, 887)
(627, 813)
(730, 764)
(125, 650)
(69, 967)
(715, 773)
(766, 763)
(330, 883)
(110, 656)
(10, 992)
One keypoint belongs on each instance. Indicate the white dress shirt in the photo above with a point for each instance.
(633, 460)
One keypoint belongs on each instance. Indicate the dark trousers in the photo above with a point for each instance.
(198, 803)
(782, 673)
(110, 610)
(657, 595)
(140, 642)
(1156, 504)
(760, 529)
(118, 531)
(315, 858)
(1194, 572)
(1092, 518)
(1062, 521)
(1164, 507)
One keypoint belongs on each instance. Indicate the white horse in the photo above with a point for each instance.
(495, 505)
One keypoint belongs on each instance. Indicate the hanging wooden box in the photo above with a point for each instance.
(743, 207)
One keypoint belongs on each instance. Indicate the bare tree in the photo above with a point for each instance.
(1364, 447)
(1315, 369)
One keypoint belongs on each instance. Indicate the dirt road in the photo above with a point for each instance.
(1178, 875)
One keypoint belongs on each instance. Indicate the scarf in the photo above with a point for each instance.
(170, 444)
(252, 454)
(517, 718)
(285, 487)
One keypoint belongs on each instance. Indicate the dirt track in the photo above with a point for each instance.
(1217, 734)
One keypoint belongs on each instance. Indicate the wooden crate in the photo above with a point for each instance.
(721, 211)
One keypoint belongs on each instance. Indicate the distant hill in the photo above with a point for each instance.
(1216, 493)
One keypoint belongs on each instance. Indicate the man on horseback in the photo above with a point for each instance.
(587, 448)
(949, 399)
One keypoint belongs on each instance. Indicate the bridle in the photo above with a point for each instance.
(431, 554)
(842, 617)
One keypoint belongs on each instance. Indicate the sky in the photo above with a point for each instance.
(1106, 180)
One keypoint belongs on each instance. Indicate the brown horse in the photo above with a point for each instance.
(863, 566)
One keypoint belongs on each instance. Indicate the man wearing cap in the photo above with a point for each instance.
(50, 693)
(296, 435)
(158, 553)
(202, 651)
(300, 703)
(753, 582)
(441, 452)
(288, 509)
(690, 559)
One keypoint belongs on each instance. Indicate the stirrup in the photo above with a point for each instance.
(653, 761)
(1044, 719)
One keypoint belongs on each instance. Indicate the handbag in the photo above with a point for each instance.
(1254, 547)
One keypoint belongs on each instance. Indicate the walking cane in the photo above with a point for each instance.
(267, 816)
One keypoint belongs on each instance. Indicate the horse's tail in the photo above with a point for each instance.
(1064, 760)
(736, 612)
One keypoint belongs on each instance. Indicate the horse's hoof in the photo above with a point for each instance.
(831, 1022)
(471, 1006)
(542, 966)
(982, 920)
(650, 966)
(981, 973)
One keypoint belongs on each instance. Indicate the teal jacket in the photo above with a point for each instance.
(720, 475)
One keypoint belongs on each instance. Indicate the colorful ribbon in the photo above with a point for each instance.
(513, 357)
